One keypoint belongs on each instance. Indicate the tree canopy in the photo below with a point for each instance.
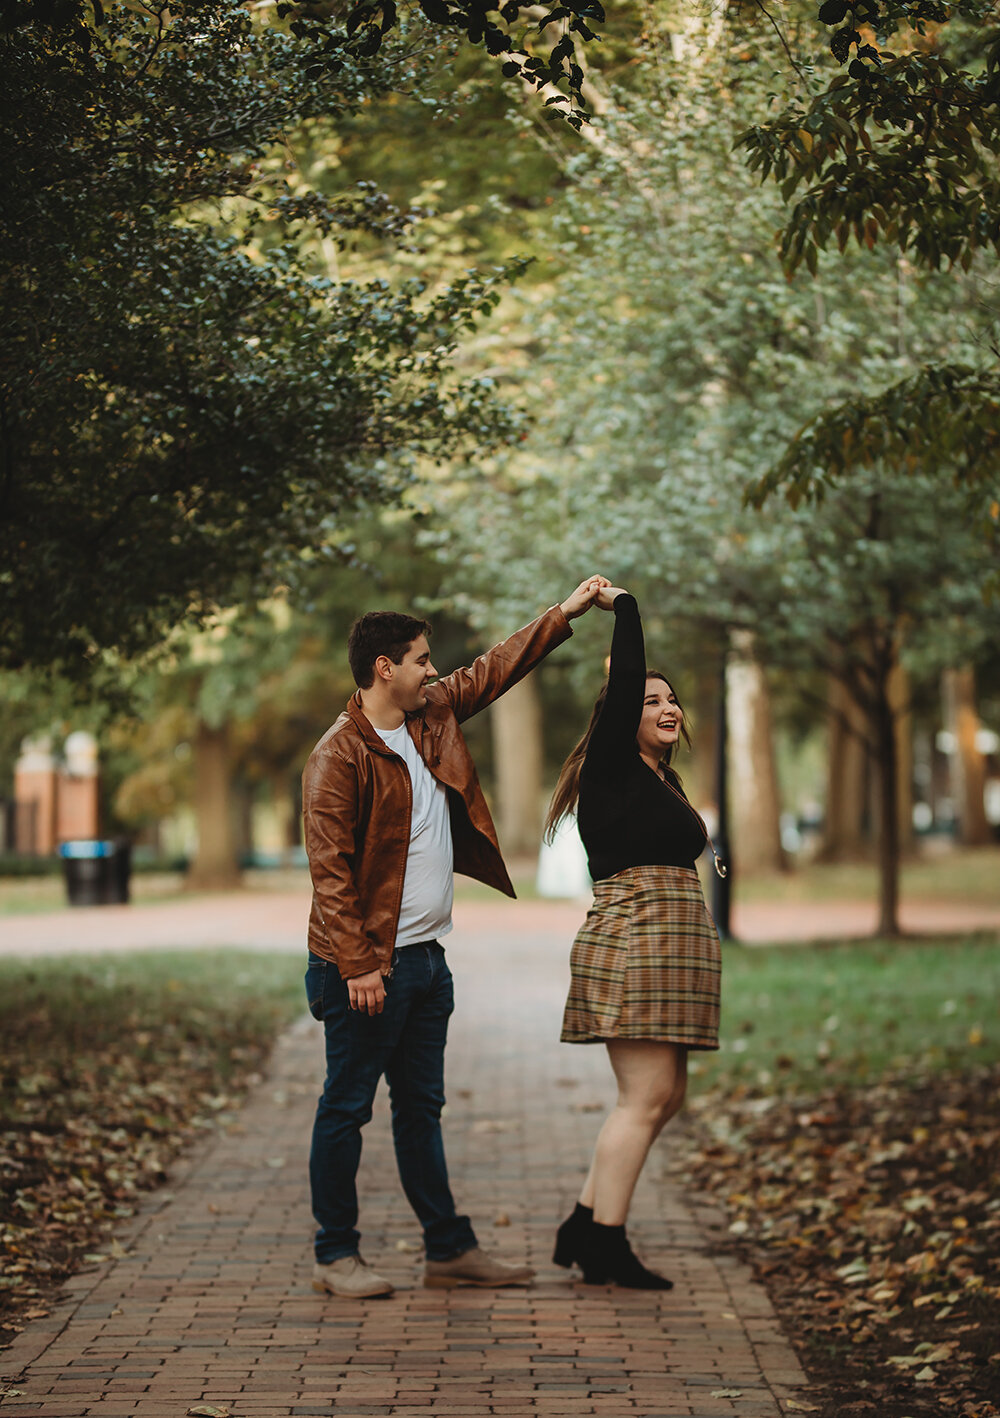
(187, 407)
(897, 142)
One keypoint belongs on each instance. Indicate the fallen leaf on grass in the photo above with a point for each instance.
(103, 1118)
(941, 1353)
(864, 1209)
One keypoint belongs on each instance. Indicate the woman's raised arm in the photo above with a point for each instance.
(614, 733)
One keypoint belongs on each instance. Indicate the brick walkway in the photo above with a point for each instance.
(210, 1301)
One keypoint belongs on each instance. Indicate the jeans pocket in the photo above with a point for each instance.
(316, 986)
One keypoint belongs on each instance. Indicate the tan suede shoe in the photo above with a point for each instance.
(350, 1278)
(474, 1267)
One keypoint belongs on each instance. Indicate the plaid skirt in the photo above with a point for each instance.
(646, 962)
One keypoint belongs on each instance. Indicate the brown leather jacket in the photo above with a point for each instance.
(356, 801)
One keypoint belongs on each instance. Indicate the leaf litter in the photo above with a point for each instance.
(872, 1215)
(88, 1124)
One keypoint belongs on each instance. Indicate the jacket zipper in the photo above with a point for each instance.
(402, 878)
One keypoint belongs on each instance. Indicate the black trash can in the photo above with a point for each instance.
(96, 873)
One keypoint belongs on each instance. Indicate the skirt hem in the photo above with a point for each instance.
(692, 1044)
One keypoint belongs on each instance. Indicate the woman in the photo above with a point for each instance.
(646, 963)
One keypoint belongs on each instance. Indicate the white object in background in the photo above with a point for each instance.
(562, 864)
(80, 752)
(992, 802)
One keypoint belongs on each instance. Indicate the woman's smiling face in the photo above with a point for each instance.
(660, 725)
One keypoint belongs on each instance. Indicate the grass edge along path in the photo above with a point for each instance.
(111, 1067)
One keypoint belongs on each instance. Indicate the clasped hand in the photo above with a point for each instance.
(367, 992)
(584, 596)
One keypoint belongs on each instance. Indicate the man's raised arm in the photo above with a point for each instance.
(471, 689)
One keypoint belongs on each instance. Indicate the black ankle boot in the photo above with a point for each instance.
(571, 1236)
(609, 1259)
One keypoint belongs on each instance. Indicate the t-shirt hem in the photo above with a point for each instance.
(420, 939)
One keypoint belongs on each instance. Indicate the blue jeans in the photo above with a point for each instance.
(406, 1043)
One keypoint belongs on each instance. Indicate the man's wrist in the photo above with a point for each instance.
(372, 969)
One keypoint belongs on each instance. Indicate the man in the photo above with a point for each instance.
(392, 806)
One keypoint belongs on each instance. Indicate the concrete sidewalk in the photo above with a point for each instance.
(275, 920)
(211, 1303)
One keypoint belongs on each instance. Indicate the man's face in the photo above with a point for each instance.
(412, 676)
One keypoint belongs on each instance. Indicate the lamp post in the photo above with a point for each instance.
(722, 884)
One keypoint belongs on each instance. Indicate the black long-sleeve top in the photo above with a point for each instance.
(628, 814)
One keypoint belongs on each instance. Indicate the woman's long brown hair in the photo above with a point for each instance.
(567, 793)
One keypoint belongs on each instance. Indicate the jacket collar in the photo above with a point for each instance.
(370, 734)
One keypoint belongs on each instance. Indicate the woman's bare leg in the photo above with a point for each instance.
(652, 1078)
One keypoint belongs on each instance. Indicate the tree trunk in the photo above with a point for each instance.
(887, 776)
(517, 749)
(899, 700)
(243, 802)
(846, 783)
(755, 804)
(215, 866)
(287, 810)
(966, 765)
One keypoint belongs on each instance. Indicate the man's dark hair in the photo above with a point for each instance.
(381, 633)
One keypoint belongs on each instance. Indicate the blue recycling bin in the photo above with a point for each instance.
(96, 873)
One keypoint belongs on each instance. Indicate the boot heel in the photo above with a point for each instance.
(564, 1253)
(571, 1237)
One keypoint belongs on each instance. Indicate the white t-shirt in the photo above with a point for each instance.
(429, 884)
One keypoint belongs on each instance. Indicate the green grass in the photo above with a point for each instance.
(29, 895)
(145, 1003)
(802, 1016)
(24, 896)
(967, 875)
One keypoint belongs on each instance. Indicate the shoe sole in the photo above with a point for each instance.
(322, 1289)
(452, 1282)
